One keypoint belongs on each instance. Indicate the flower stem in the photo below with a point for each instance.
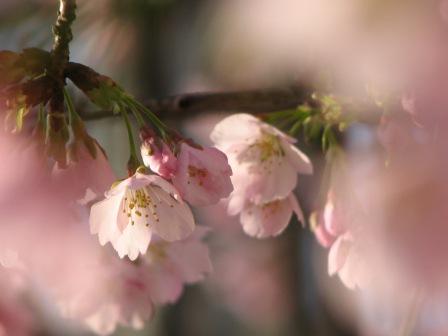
(138, 118)
(133, 162)
(72, 115)
(161, 127)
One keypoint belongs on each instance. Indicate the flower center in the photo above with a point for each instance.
(264, 154)
(138, 205)
(269, 209)
(197, 173)
(268, 146)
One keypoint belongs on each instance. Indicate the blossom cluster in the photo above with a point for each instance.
(149, 243)
(265, 163)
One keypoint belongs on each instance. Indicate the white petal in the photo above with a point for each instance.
(175, 219)
(134, 240)
(104, 217)
(297, 158)
(237, 128)
(162, 183)
(191, 257)
(236, 204)
(266, 220)
(166, 286)
(350, 272)
(273, 182)
(104, 321)
(338, 254)
(296, 208)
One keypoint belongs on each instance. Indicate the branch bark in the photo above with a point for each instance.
(252, 101)
(60, 56)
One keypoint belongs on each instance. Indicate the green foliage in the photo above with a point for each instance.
(320, 120)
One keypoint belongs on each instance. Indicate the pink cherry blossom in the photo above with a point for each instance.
(121, 295)
(158, 157)
(171, 265)
(264, 160)
(324, 238)
(345, 260)
(265, 164)
(24, 170)
(269, 219)
(344, 257)
(84, 172)
(135, 209)
(267, 301)
(398, 132)
(15, 317)
(203, 175)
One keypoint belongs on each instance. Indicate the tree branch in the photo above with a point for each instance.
(60, 57)
(186, 105)
(62, 36)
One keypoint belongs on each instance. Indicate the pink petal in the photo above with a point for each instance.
(266, 220)
(176, 220)
(203, 175)
(338, 255)
(103, 219)
(191, 257)
(237, 128)
(297, 158)
(134, 240)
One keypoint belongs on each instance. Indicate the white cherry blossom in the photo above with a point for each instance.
(135, 209)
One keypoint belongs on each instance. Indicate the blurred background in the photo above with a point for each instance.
(159, 48)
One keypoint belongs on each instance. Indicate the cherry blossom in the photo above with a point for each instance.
(269, 219)
(15, 317)
(135, 209)
(344, 258)
(84, 172)
(157, 156)
(265, 164)
(171, 265)
(203, 175)
(264, 160)
(120, 295)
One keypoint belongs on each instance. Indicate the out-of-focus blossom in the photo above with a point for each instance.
(15, 317)
(265, 164)
(84, 172)
(203, 175)
(23, 168)
(135, 209)
(265, 300)
(332, 231)
(125, 293)
(375, 41)
(397, 225)
(119, 295)
(345, 260)
(172, 265)
(269, 219)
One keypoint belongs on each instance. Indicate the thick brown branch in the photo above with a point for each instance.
(252, 101)
(59, 58)
(62, 36)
